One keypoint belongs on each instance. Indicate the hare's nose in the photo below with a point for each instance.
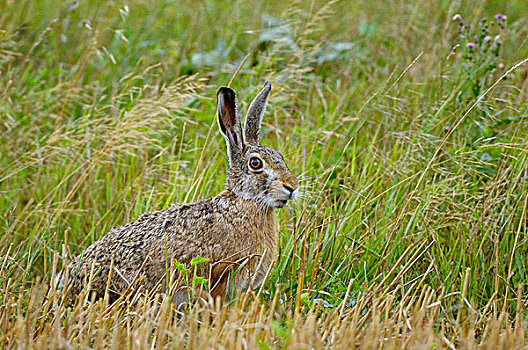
(289, 189)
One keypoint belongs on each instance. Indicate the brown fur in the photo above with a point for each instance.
(234, 229)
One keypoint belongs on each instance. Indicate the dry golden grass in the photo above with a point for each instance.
(396, 316)
(376, 320)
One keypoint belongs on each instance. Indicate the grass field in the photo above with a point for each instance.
(407, 129)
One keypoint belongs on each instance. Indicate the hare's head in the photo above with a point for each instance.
(255, 172)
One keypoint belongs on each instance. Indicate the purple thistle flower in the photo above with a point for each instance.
(487, 38)
(470, 45)
(499, 16)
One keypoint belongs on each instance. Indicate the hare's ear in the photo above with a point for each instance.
(229, 122)
(255, 114)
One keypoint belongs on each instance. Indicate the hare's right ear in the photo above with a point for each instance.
(229, 122)
(255, 114)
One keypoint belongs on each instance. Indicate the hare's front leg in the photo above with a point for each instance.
(251, 272)
(230, 279)
(226, 280)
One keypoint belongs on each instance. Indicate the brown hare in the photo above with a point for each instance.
(236, 230)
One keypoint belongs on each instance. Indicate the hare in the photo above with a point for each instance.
(236, 230)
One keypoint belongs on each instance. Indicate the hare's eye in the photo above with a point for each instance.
(255, 163)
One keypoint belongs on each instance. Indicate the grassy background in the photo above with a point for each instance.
(410, 186)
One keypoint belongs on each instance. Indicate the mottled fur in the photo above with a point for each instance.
(234, 229)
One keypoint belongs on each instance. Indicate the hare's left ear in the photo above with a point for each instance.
(229, 122)
(255, 114)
